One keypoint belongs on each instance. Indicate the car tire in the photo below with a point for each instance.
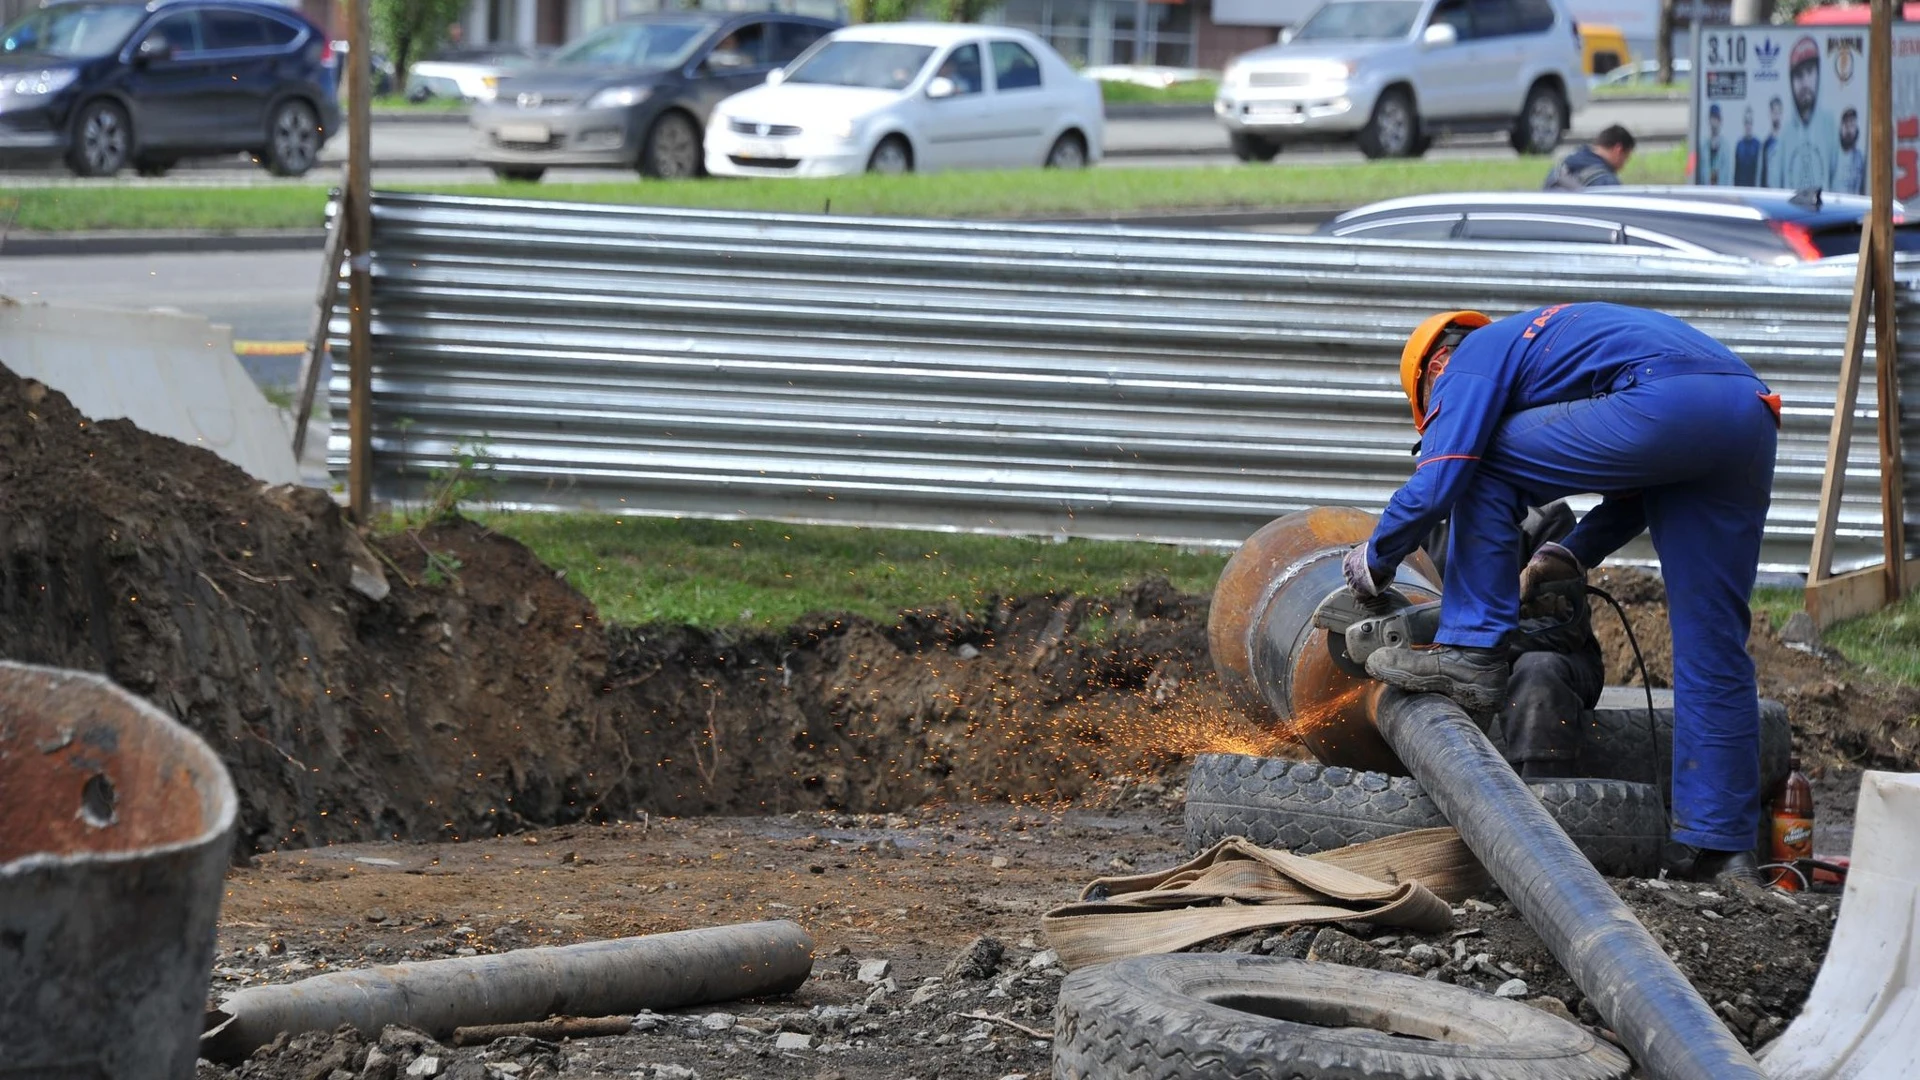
(1306, 807)
(673, 148)
(1542, 120)
(519, 175)
(1069, 151)
(102, 142)
(892, 157)
(1252, 147)
(1225, 1016)
(154, 167)
(1393, 131)
(293, 139)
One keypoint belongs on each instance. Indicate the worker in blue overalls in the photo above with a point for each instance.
(1677, 435)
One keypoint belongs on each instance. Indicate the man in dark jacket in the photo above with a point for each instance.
(1596, 164)
(1558, 669)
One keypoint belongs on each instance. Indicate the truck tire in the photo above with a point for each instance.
(1616, 743)
(1305, 807)
(1212, 1016)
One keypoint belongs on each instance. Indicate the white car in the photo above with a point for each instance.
(911, 97)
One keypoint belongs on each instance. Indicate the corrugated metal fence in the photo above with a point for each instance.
(1085, 381)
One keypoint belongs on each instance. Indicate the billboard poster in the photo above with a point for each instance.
(1783, 107)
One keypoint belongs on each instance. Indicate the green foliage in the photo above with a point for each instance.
(412, 28)
(465, 482)
(1198, 91)
(768, 575)
(1886, 643)
(1785, 11)
(1012, 193)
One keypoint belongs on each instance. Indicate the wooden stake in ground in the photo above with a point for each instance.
(359, 212)
(1830, 598)
(315, 361)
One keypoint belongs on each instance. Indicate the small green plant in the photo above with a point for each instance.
(465, 481)
(442, 568)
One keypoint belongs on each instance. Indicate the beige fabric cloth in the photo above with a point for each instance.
(1410, 879)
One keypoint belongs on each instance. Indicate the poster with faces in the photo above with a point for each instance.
(1786, 107)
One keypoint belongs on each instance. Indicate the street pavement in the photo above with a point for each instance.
(440, 150)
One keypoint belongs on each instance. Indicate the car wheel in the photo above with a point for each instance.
(1542, 121)
(1069, 152)
(293, 139)
(530, 175)
(1393, 130)
(154, 167)
(673, 148)
(102, 140)
(893, 156)
(1253, 147)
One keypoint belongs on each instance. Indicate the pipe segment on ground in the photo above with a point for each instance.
(599, 978)
(1610, 956)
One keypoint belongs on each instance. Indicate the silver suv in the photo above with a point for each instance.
(1391, 74)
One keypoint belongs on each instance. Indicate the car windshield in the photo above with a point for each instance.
(648, 45)
(1364, 20)
(878, 65)
(73, 30)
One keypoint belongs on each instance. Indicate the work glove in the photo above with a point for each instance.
(1551, 563)
(1365, 582)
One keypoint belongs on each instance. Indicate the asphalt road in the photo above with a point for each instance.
(439, 151)
(264, 296)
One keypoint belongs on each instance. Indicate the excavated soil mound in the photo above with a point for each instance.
(1840, 718)
(481, 694)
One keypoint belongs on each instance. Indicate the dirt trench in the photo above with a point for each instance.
(474, 692)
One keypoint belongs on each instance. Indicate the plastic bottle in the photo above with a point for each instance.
(1792, 813)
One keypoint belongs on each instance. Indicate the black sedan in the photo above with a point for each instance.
(109, 84)
(635, 94)
(1761, 224)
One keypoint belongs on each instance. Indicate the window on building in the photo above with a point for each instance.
(1014, 68)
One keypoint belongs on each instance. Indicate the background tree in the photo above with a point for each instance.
(412, 28)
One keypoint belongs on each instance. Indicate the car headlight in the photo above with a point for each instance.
(844, 129)
(619, 97)
(37, 83)
(1235, 75)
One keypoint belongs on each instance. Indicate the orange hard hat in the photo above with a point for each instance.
(1413, 358)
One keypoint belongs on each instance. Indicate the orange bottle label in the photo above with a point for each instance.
(1792, 838)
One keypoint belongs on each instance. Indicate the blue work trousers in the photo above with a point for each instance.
(1689, 456)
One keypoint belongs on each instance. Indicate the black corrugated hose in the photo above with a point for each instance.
(1666, 1025)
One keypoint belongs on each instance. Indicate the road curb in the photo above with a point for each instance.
(28, 245)
(1147, 111)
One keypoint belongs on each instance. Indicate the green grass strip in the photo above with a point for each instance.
(1199, 91)
(1025, 193)
(767, 575)
(1886, 643)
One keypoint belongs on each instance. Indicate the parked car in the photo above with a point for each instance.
(1645, 73)
(904, 97)
(109, 84)
(466, 74)
(1392, 74)
(1765, 225)
(634, 94)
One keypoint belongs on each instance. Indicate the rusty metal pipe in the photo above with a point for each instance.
(116, 827)
(1269, 654)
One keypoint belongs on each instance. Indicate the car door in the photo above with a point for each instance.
(171, 82)
(1447, 72)
(246, 48)
(738, 60)
(961, 129)
(1028, 108)
(1497, 54)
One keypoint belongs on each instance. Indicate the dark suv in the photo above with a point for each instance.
(110, 84)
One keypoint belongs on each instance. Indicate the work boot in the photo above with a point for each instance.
(1727, 868)
(1475, 678)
